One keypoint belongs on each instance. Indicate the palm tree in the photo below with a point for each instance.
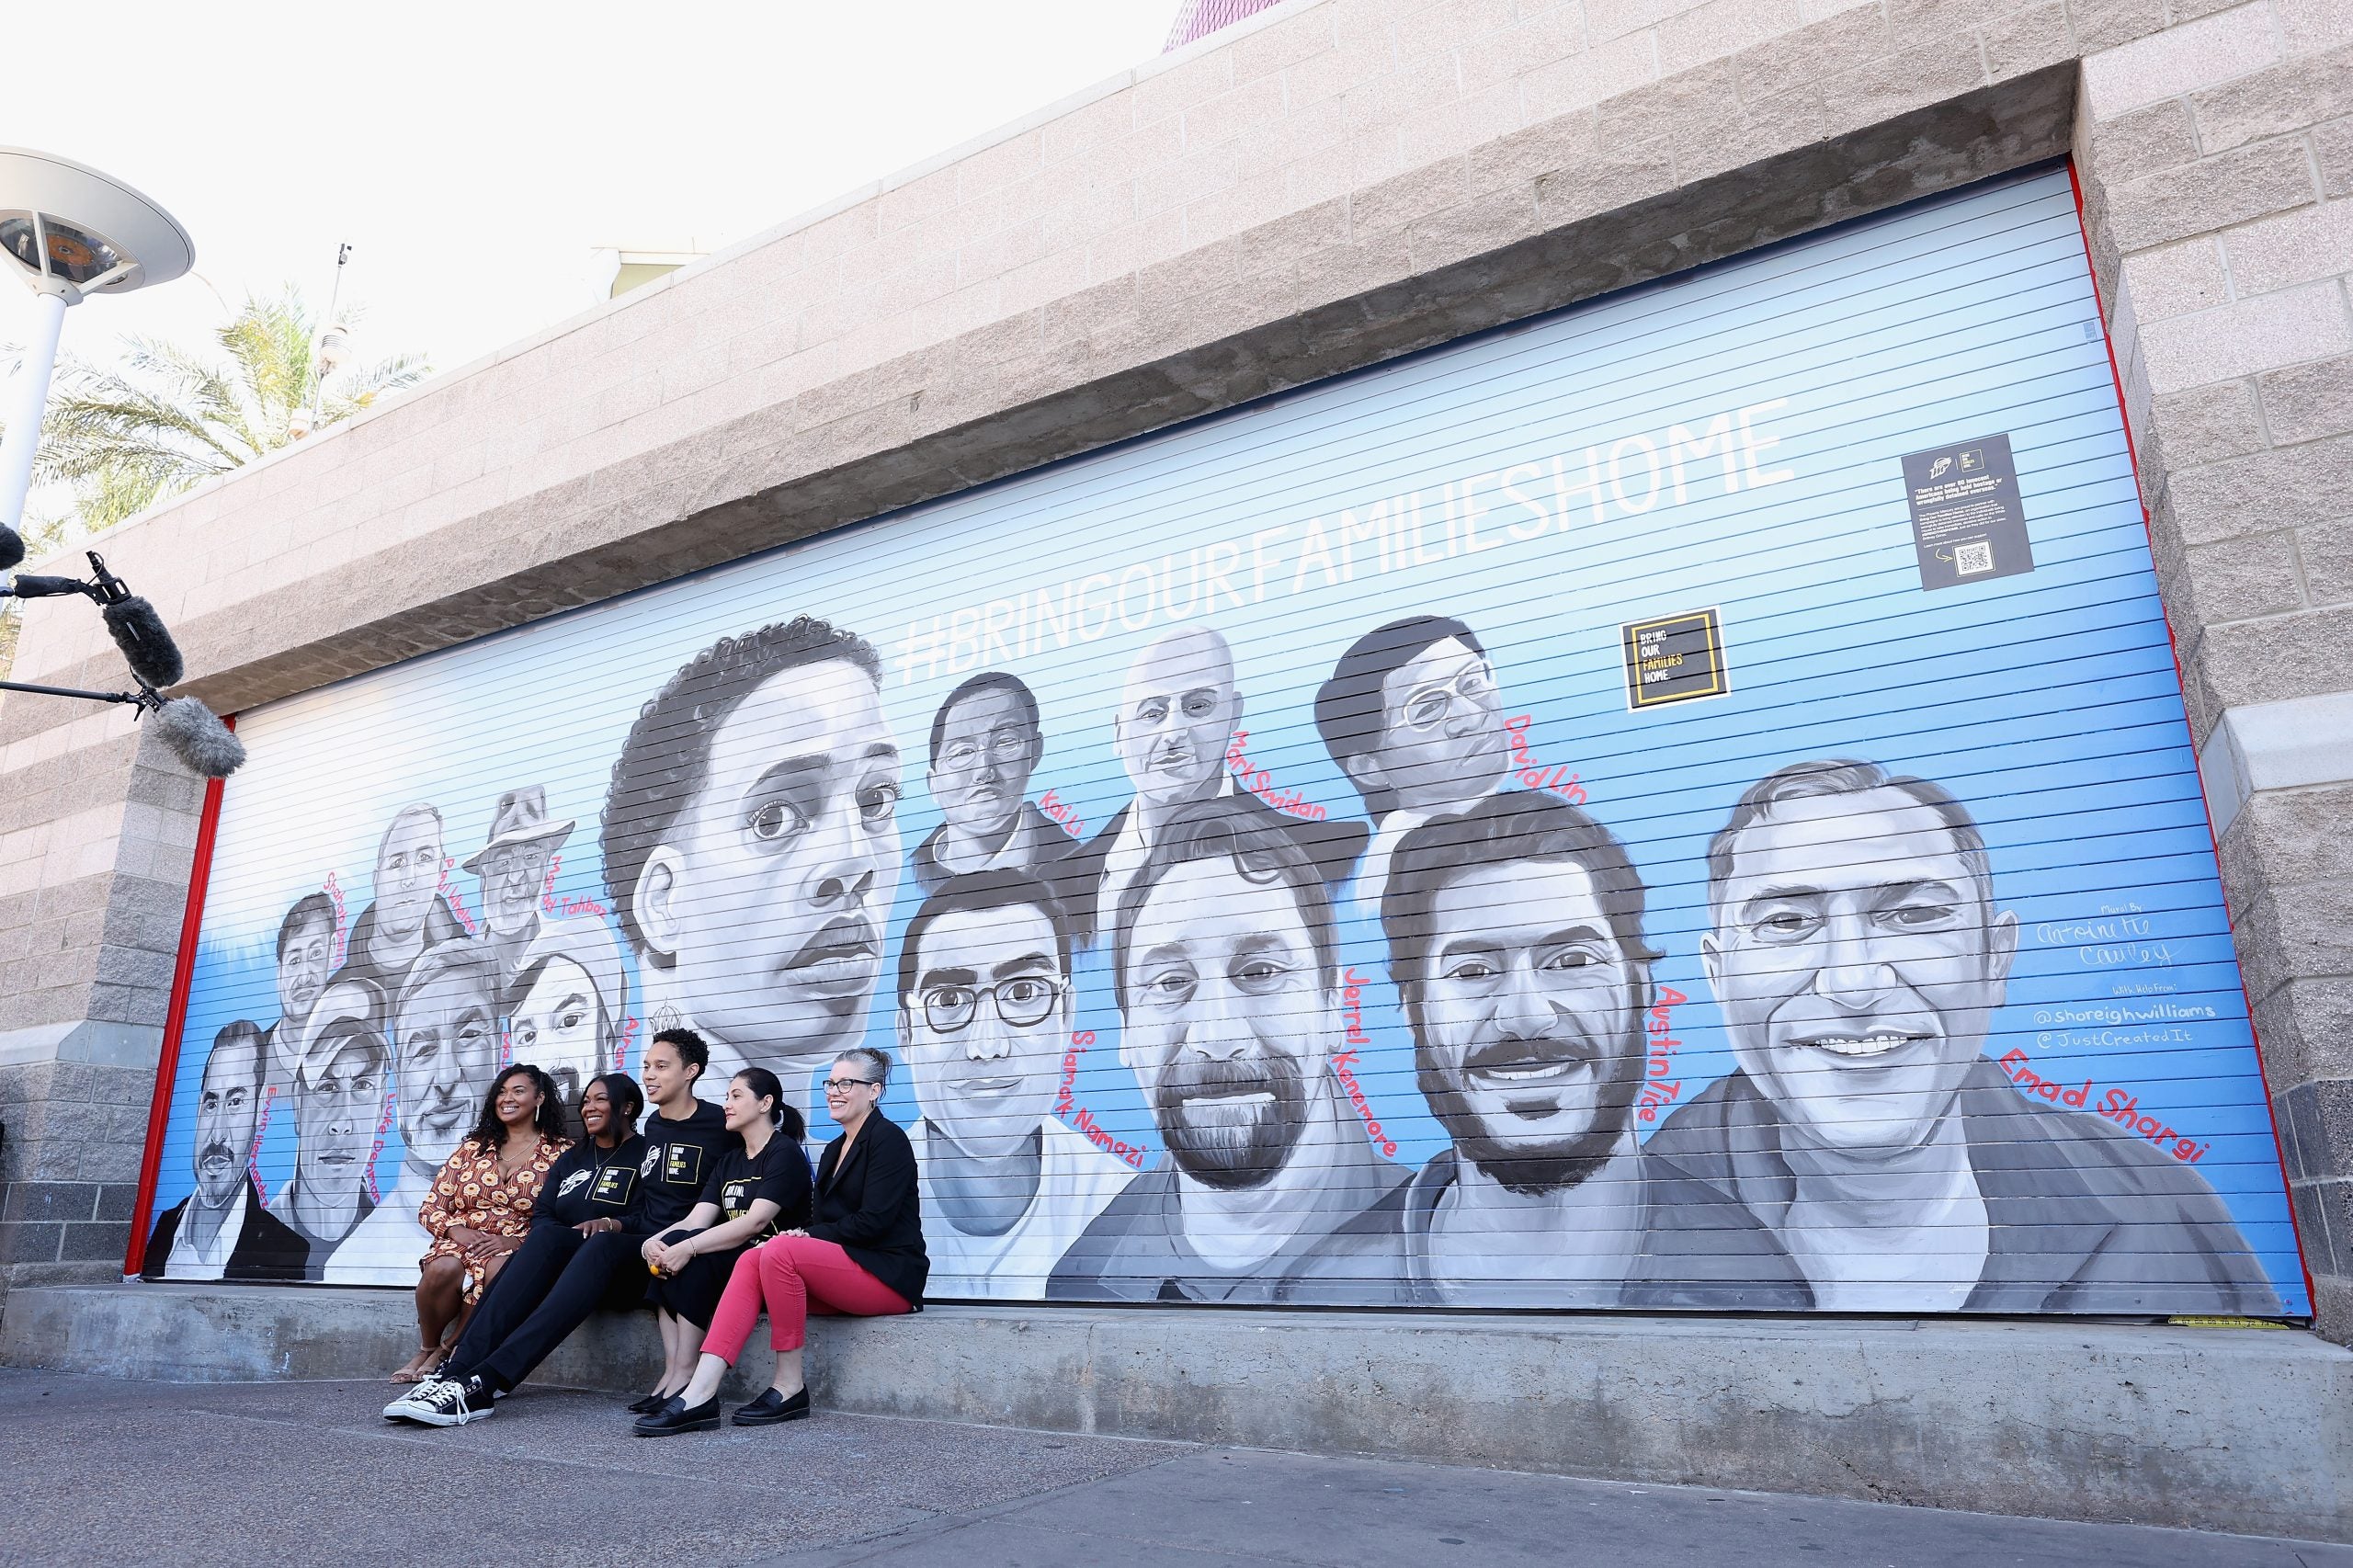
(119, 440)
(165, 419)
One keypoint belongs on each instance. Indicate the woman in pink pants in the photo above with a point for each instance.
(861, 1255)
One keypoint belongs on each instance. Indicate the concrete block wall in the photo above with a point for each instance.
(1326, 185)
(2216, 149)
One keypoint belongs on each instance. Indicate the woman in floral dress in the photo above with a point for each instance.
(480, 1208)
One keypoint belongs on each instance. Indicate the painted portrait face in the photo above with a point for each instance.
(227, 1108)
(1442, 738)
(985, 1031)
(1527, 1029)
(987, 751)
(1858, 963)
(336, 1113)
(1177, 715)
(302, 969)
(447, 1039)
(558, 1025)
(767, 901)
(408, 873)
(512, 879)
(1227, 1021)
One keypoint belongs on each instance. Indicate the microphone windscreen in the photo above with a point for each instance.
(25, 586)
(146, 647)
(12, 548)
(198, 739)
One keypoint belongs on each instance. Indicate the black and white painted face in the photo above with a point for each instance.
(557, 1025)
(512, 879)
(1858, 961)
(408, 873)
(767, 901)
(985, 1031)
(335, 1116)
(1442, 738)
(1527, 1043)
(987, 751)
(302, 971)
(1176, 716)
(228, 1106)
(1228, 1023)
(448, 1040)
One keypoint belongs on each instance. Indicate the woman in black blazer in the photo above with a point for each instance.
(861, 1255)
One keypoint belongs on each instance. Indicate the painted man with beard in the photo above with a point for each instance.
(1860, 958)
(1515, 939)
(409, 915)
(1178, 715)
(985, 744)
(986, 1003)
(751, 846)
(1225, 963)
(445, 1053)
(220, 1231)
(1412, 715)
(339, 1076)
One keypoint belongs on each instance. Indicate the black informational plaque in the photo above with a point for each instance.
(1967, 521)
(1674, 658)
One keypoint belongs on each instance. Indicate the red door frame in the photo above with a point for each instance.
(167, 1063)
(2172, 645)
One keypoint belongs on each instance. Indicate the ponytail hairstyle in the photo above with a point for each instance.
(765, 1086)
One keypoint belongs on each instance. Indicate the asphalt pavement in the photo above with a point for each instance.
(128, 1472)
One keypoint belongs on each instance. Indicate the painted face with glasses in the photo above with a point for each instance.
(511, 881)
(1442, 739)
(983, 1028)
(987, 752)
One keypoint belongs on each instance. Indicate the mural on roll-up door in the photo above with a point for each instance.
(1682, 803)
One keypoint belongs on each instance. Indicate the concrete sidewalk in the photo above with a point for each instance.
(137, 1472)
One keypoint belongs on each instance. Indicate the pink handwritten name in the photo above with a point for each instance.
(1261, 783)
(1659, 1091)
(1532, 772)
(1344, 1064)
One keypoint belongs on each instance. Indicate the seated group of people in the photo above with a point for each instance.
(709, 1213)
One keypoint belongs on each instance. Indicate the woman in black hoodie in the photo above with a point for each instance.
(862, 1255)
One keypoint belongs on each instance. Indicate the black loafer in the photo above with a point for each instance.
(646, 1405)
(675, 1417)
(772, 1407)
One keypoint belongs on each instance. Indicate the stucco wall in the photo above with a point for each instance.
(1326, 185)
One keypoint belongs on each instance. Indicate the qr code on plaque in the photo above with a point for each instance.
(1968, 560)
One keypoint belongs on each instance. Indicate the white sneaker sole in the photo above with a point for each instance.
(451, 1418)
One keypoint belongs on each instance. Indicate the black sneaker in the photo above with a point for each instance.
(455, 1404)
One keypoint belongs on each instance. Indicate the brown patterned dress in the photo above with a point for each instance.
(470, 1193)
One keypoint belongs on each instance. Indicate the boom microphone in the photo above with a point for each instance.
(199, 739)
(25, 586)
(146, 647)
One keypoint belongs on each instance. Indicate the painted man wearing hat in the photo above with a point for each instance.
(514, 870)
(337, 1071)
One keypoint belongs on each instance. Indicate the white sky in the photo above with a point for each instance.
(475, 153)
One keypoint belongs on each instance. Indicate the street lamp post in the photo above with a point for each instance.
(68, 232)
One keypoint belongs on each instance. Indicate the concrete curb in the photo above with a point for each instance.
(2202, 1428)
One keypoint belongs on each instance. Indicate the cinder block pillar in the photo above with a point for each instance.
(2217, 160)
(97, 833)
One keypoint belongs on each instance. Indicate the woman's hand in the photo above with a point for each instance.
(672, 1258)
(802, 1235)
(602, 1224)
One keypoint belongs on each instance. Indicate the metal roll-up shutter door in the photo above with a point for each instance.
(1738, 712)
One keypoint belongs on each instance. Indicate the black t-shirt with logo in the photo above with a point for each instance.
(678, 1159)
(779, 1173)
(589, 1183)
